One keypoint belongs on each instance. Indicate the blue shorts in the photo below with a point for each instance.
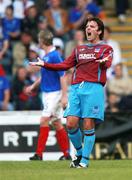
(86, 100)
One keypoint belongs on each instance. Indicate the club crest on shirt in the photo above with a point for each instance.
(82, 49)
(97, 50)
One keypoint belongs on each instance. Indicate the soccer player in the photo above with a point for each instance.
(86, 98)
(54, 90)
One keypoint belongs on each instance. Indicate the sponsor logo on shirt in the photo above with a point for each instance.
(87, 56)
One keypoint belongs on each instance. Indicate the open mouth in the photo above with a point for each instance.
(89, 34)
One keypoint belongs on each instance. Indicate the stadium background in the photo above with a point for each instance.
(18, 129)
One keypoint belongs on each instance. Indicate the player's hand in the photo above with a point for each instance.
(1, 55)
(39, 62)
(101, 61)
(4, 106)
(28, 90)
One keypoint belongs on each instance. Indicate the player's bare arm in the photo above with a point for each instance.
(39, 62)
(32, 87)
(64, 91)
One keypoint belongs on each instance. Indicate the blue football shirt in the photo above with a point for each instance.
(11, 25)
(50, 80)
(4, 85)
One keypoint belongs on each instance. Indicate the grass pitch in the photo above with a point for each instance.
(59, 170)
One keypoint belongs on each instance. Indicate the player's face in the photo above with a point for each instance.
(92, 32)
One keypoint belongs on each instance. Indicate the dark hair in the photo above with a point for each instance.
(10, 7)
(100, 25)
(26, 31)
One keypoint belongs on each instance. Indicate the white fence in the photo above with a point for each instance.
(18, 136)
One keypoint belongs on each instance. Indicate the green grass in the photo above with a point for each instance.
(59, 170)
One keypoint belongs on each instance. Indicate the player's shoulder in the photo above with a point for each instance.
(105, 45)
(81, 47)
(53, 54)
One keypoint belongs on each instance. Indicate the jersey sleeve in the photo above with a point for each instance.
(65, 65)
(108, 52)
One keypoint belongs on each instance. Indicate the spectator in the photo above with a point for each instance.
(120, 85)
(113, 101)
(5, 52)
(11, 25)
(20, 8)
(42, 23)
(83, 8)
(78, 39)
(3, 6)
(4, 92)
(95, 10)
(4, 42)
(21, 48)
(21, 100)
(69, 3)
(57, 42)
(121, 7)
(78, 14)
(57, 18)
(33, 53)
(30, 22)
(116, 53)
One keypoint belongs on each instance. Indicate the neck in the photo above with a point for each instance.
(9, 17)
(80, 42)
(55, 8)
(94, 42)
(47, 49)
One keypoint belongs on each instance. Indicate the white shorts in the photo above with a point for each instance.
(52, 105)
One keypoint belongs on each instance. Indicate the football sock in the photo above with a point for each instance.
(63, 141)
(75, 136)
(89, 140)
(42, 138)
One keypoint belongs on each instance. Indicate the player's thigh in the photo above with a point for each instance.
(57, 124)
(44, 121)
(73, 107)
(50, 102)
(92, 101)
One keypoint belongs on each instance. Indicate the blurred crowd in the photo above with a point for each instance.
(20, 22)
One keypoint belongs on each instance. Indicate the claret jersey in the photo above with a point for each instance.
(84, 59)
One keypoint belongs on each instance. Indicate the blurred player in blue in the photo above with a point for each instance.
(54, 92)
(86, 98)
